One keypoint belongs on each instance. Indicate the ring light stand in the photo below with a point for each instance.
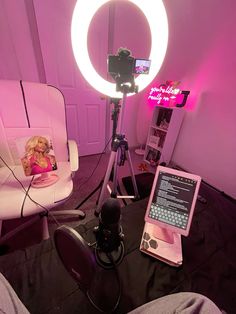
(157, 19)
(120, 150)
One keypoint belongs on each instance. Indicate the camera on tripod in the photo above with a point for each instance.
(122, 68)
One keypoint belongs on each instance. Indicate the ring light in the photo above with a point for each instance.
(82, 16)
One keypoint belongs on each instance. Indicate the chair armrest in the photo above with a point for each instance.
(73, 155)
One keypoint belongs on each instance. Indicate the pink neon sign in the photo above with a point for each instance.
(168, 95)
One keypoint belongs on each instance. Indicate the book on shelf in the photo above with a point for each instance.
(153, 155)
(163, 118)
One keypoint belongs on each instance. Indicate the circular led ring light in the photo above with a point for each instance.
(83, 13)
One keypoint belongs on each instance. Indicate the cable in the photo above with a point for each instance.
(104, 150)
(56, 221)
(23, 186)
(26, 194)
(47, 212)
(25, 105)
(109, 256)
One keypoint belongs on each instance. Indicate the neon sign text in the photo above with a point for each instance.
(168, 95)
(163, 93)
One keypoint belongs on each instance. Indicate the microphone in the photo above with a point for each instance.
(110, 212)
(109, 233)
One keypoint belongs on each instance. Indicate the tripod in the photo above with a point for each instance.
(120, 152)
(114, 117)
(117, 158)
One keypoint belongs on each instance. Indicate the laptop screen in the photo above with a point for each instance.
(173, 199)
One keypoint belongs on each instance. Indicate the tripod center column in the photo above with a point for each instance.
(121, 118)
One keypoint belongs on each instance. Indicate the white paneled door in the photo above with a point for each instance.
(85, 110)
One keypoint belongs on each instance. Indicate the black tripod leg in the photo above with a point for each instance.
(94, 191)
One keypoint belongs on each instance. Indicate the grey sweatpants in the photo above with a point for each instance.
(9, 301)
(183, 302)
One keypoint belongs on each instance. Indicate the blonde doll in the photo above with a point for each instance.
(37, 158)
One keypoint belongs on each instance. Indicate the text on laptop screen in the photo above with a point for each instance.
(173, 199)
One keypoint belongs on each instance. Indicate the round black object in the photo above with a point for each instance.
(109, 232)
(116, 256)
(75, 255)
(110, 212)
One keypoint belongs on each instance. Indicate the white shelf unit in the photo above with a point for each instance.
(162, 135)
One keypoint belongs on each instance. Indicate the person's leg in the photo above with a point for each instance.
(183, 302)
(9, 301)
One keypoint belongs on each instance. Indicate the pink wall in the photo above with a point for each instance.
(17, 54)
(201, 54)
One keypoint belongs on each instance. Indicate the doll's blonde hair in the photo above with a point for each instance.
(32, 143)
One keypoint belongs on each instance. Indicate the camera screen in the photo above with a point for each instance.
(142, 66)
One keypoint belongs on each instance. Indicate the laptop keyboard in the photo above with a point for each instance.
(176, 219)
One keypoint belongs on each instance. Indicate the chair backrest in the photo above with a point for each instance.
(28, 109)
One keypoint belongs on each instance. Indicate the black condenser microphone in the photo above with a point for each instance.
(109, 232)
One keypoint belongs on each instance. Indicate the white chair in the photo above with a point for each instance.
(28, 109)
